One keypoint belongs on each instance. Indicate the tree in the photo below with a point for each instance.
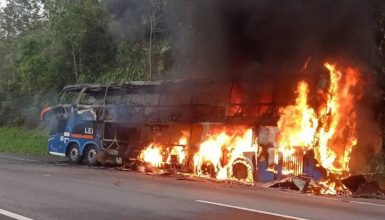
(81, 29)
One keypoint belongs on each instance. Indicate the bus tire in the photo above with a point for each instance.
(90, 155)
(74, 154)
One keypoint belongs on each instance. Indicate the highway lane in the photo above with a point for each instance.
(36, 190)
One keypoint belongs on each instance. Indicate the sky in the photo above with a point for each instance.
(2, 3)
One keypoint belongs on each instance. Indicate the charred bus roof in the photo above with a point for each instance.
(139, 83)
(181, 100)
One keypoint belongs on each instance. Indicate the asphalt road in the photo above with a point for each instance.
(36, 189)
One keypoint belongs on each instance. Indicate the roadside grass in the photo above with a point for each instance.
(23, 141)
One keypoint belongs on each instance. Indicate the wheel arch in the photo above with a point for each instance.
(87, 145)
(69, 144)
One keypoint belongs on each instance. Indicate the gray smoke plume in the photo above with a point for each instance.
(242, 39)
(266, 43)
(246, 38)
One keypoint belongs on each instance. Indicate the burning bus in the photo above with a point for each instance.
(223, 130)
(157, 123)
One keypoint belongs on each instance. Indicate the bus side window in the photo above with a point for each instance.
(87, 99)
(57, 126)
(69, 97)
(117, 96)
(93, 96)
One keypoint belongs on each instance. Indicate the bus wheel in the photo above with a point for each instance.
(74, 154)
(91, 155)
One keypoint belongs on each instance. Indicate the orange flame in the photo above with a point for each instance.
(152, 154)
(179, 151)
(328, 188)
(336, 137)
(331, 132)
(300, 120)
(212, 150)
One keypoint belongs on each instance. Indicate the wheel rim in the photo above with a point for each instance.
(74, 154)
(92, 155)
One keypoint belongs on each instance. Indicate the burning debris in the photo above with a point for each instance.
(225, 151)
(305, 184)
(153, 155)
(368, 185)
(163, 156)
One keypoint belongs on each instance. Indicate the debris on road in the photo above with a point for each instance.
(370, 185)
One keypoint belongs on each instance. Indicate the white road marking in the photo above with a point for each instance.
(251, 210)
(353, 201)
(340, 200)
(15, 158)
(366, 203)
(13, 215)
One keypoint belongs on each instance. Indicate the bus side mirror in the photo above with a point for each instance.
(44, 113)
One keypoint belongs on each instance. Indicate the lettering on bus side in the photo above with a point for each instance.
(88, 130)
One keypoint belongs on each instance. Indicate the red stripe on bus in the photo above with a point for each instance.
(82, 136)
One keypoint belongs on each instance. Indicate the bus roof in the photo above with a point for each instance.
(137, 83)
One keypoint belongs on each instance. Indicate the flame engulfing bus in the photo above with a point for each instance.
(209, 128)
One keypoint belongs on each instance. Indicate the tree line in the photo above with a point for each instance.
(46, 44)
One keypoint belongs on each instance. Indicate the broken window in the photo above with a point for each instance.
(119, 96)
(68, 97)
(57, 126)
(93, 96)
(132, 96)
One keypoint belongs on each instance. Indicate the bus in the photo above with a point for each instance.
(112, 123)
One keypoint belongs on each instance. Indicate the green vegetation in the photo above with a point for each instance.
(19, 140)
(45, 45)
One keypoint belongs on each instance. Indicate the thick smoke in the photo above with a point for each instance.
(266, 43)
(254, 38)
(243, 39)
